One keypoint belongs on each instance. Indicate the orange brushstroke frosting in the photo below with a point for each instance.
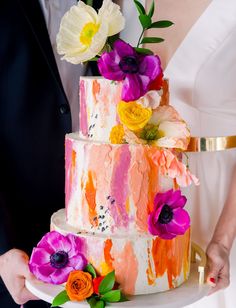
(96, 89)
(107, 254)
(90, 193)
(170, 257)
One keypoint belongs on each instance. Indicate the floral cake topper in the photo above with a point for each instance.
(87, 35)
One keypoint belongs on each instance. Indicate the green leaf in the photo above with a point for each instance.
(94, 59)
(89, 2)
(112, 39)
(123, 298)
(148, 40)
(90, 269)
(144, 51)
(145, 20)
(112, 296)
(107, 283)
(140, 7)
(93, 303)
(60, 299)
(152, 9)
(161, 24)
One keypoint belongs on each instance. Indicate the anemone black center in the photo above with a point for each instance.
(59, 259)
(166, 215)
(129, 65)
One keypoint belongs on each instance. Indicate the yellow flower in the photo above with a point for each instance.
(117, 134)
(133, 115)
(83, 32)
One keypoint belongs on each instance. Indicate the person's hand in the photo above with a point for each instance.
(218, 267)
(14, 270)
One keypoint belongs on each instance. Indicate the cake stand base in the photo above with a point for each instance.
(186, 294)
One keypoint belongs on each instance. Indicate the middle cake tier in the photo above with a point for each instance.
(111, 188)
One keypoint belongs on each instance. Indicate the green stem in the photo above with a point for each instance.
(187, 158)
(140, 38)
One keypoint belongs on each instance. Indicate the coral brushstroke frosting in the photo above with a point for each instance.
(143, 265)
(110, 189)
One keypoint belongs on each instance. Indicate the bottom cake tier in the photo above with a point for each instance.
(142, 264)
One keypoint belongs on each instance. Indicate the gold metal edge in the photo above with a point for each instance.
(210, 144)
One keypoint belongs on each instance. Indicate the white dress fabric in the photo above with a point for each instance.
(202, 75)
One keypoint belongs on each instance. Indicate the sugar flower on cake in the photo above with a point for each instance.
(168, 218)
(56, 256)
(136, 71)
(84, 32)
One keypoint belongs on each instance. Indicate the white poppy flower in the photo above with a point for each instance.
(83, 32)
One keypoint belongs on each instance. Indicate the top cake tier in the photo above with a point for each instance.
(98, 101)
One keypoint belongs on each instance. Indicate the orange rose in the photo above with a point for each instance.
(79, 285)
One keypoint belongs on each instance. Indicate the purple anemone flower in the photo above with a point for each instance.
(168, 218)
(56, 256)
(137, 71)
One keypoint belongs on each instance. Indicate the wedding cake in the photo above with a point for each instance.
(110, 191)
(123, 169)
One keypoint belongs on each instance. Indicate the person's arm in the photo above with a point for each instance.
(14, 271)
(218, 250)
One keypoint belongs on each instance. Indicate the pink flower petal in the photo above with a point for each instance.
(123, 49)
(60, 275)
(54, 241)
(132, 88)
(39, 256)
(180, 222)
(177, 200)
(163, 198)
(150, 66)
(108, 66)
(77, 245)
(43, 272)
(78, 262)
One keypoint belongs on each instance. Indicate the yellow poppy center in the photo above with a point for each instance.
(88, 32)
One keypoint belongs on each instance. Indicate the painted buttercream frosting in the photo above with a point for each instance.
(99, 98)
(111, 188)
(143, 264)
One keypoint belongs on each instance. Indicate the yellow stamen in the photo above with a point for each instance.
(88, 32)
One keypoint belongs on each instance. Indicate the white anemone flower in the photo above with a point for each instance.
(83, 32)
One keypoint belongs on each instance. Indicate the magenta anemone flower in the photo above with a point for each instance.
(56, 256)
(168, 218)
(137, 71)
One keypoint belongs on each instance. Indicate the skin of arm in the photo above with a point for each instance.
(14, 271)
(218, 250)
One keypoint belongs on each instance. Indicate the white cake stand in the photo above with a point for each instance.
(189, 292)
